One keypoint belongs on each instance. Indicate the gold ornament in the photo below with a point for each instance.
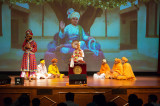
(77, 70)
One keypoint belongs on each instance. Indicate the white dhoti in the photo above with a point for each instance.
(42, 71)
(101, 76)
(40, 75)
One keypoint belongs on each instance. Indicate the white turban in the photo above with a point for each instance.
(104, 60)
(71, 13)
(75, 14)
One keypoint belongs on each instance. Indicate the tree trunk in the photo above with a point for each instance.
(86, 19)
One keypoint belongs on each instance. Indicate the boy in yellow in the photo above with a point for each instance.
(127, 70)
(117, 68)
(53, 69)
(104, 69)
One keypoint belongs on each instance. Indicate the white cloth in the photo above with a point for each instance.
(31, 74)
(41, 71)
(72, 62)
(101, 76)
(23, 74)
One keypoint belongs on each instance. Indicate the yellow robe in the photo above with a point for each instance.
(127, 72)
(117, 70)
(54, 70)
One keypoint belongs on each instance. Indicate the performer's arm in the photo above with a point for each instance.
(61, 35)
(50, 69)
(62, 32)
(23, 46)
(73, 54)
(85, 37)
(45, 70)
(119, 69)
(34, 48)
(103, 69)
(57, 70)
(38, 69)
(82, 53)
(107, 67)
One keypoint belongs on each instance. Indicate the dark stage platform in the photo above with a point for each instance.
(52, 91)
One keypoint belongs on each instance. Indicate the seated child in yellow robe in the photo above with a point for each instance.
(53, 70)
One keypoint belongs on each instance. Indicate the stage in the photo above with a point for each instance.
(52, 91)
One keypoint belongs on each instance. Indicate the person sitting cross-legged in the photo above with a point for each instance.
(53, 70)
(105, 69)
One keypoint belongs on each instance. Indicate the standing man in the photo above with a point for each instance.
(29, 65)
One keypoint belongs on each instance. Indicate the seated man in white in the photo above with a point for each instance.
(42, 70)
(103, 71)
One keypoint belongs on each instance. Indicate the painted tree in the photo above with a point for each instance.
(89, 9)
(88, 14)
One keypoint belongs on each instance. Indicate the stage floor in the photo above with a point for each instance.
(140, 82)
(52, 91)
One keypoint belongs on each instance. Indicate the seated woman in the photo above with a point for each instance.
(53, 70)
(127, 70)
(78, 53)
(104, 71)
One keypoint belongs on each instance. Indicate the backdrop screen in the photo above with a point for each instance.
(130, 31)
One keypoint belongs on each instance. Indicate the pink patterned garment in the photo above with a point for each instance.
(29, 60)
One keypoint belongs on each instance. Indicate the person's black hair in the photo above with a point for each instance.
(139, 102)
(35, 102)
(111, 104)
(69, 96)
(132, 99)
(7, 101)
(62, 104)
(101, 100)
(152, 98)
(41, 59)
(24, 99)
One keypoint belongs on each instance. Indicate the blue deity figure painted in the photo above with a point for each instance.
(73, 32)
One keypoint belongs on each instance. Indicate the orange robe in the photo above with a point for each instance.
(128, 72)
(104, 68)
(117, 70)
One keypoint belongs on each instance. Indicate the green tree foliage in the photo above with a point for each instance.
(105, 4)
